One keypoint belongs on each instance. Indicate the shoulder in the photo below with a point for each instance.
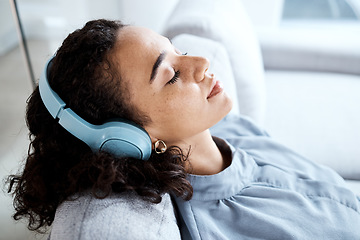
(119, 216)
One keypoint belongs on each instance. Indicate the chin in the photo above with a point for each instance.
(224, 110)
(223, 107)
(227, 106)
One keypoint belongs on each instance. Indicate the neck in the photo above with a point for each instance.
(205, 157)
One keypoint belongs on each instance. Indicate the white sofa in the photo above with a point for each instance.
(302, 86)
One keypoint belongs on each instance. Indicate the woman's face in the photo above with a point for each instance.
(175, 90)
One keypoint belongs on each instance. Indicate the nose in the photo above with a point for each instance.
(197, 66)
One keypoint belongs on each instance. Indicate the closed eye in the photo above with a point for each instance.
(174, 78)
(176, 75)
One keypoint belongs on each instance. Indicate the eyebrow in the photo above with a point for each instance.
(156, 66)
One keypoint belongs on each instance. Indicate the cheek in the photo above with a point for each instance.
(183, 102)
(166, 109)
(179, 111)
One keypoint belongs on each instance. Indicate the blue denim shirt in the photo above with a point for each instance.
(268, 192)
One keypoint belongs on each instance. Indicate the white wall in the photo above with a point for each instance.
(46, 19)
(8, 37)
(43, 19)
(51, 19)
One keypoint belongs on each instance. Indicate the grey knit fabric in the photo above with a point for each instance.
(119, 216)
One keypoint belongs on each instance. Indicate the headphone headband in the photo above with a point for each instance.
(120, 138)
(53, 103)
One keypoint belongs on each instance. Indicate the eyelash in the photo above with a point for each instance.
(176, 75)
(174, 78)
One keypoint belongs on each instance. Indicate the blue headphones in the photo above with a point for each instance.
(120, 138)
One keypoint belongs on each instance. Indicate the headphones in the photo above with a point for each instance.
(119, 138)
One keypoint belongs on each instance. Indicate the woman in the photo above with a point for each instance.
(244, 186)
(60, 167)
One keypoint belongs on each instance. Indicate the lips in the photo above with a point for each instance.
(216, 88)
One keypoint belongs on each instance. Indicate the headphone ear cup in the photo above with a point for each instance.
(124, 139)
(121, 148)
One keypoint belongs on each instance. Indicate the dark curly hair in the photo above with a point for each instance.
(59, 165)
